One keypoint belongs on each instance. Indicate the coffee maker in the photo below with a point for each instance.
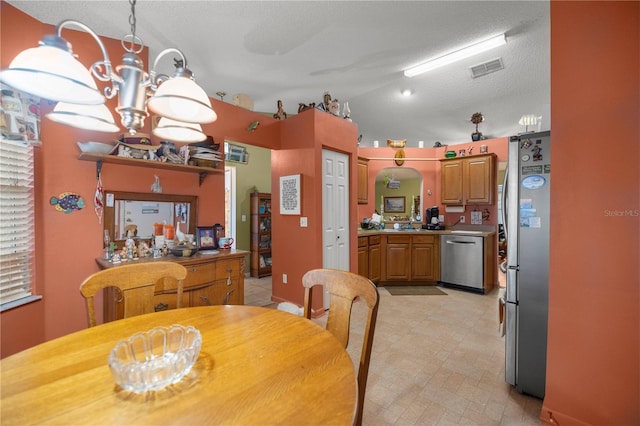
(433, 222)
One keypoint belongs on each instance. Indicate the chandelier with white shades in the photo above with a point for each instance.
(51, 71)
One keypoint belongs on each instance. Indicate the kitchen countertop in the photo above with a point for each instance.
(480, 231)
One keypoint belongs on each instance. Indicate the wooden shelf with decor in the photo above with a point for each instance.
(260, 234)
(136, 162)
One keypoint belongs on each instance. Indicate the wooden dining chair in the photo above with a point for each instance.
(344, 288)
(137, 284)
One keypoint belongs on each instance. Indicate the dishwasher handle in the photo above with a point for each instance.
(460, 242)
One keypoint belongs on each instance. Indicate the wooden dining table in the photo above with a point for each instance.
(257, 366)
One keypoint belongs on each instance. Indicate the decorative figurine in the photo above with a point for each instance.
(334, 107)
(155, 186)
(280, 114)
(304, 107)
(253, 126)
(326, 101)
(476, 119)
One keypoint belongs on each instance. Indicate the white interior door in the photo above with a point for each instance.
(230, 203)
(335, 212)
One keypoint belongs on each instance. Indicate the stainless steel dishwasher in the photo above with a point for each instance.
(462, 262)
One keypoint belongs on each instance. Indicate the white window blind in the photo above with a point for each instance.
(16, 220)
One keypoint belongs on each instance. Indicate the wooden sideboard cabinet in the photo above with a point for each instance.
(468, 180)
(212, 279)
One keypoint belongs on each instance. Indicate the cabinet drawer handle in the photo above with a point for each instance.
(228, 296)
(193, 270)
(206, 300)
(161, 307)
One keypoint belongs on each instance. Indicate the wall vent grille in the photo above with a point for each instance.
(486, 68)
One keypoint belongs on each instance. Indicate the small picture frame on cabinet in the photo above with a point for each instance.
(205, 237)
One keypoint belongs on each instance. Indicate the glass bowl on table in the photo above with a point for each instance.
(155, 359)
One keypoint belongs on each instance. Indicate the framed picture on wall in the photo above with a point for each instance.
(205, 237)
(290, 194)
(394, 204)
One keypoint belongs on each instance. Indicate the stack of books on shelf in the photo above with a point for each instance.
(204, 156)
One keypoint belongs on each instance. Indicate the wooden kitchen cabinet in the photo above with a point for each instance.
(398, 259)
(411, 259)
(375, 258)
(363, 180)
(363, 256)
(425, 258)
(480, 179)
(468, 180)
(369, 257)
(211, 280)
(451, 180)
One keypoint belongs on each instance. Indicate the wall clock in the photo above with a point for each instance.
(399, 157)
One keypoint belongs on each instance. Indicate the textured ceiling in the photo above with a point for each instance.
(356, 50)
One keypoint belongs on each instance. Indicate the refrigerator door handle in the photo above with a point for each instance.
(510, 366)
(503, 211)
(512, 276)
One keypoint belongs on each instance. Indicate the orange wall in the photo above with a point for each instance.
(593, 356)
(300, 249)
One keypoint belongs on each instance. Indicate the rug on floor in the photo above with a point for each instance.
(418, 290)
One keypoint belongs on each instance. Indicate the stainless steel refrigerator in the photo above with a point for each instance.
(526, 222)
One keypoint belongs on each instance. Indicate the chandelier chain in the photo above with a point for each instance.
(132, 22)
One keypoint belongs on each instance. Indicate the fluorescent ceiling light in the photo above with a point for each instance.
(458, 55)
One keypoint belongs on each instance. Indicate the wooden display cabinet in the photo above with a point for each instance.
(260, 234)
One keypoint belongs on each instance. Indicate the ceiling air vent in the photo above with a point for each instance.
(486, 68)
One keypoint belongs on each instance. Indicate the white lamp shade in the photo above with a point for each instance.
(177, 131)
(181, 99)
(88, 117)
(52, 73)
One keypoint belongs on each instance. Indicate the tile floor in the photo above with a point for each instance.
(437, 360)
